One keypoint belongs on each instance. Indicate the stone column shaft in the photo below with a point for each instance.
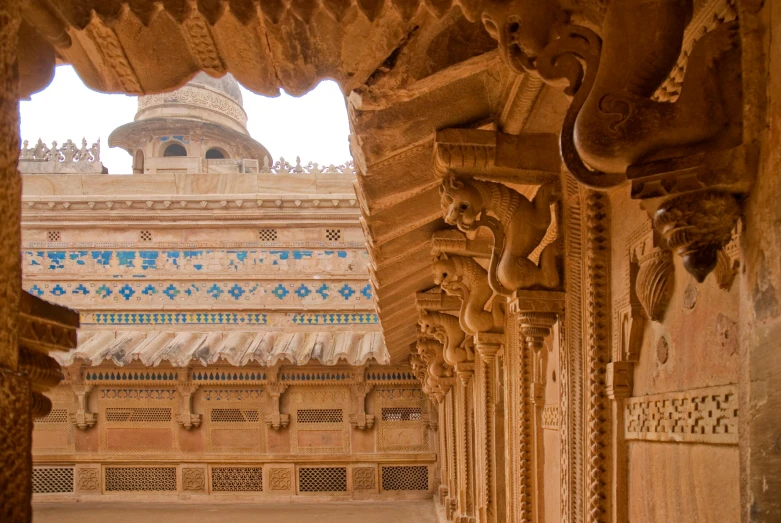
(465, 451)
(15, 388)
(486, 347)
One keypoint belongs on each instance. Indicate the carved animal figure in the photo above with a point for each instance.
(431, 352)
(464, 277)
(447, 330)
(613, 122)
(519, 227)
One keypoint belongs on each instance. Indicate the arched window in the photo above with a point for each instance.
(138, 162)
(175, 149)
(215, 154)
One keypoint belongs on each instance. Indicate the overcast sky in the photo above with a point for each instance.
(313, 127)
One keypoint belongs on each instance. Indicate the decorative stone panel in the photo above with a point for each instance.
(708, 415)
(87, 480)
(318, 423)
(279, 479)
(237, 479)
(407, 477)
(125, 426)
(52, 480)
(322, 480)
(193, 478)
(403, 420)
(234, 420)
(364, 479)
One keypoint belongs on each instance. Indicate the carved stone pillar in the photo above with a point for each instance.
(465, 434)
(451, 500)
(536, 312)
(486, 346)
(619, 388)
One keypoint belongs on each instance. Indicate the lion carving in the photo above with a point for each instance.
(518, 226)
(463, 277)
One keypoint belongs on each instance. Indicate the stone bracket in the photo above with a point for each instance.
(528, 158)
(83, 418)
(275, 419)
(359, 418)
(187, 419)
(537, 313)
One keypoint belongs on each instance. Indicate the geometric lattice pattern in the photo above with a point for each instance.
(405, 478)
(319, 416)
(402, 414)
(55, 416)
(237, 479)
(322, 479)
(146, 236)
(403, 426)
(53, 236)
(234, 415)
(333, 235)
(705, 415)
(51, 480)
(267, 235)
(139, 414)
(140, 479)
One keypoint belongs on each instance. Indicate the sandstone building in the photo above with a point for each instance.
(571, 218)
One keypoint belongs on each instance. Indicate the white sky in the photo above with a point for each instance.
(314, 127)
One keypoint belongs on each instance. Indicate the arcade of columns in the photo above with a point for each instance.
(574, 238)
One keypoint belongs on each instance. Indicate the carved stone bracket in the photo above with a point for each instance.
(528, 158)
(359, 419)
(83, 418)
(43, 328)
(275, 419)
(186, 418)
(619, 379)
(698, 226)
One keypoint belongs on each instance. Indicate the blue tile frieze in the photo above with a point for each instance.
(140, 263)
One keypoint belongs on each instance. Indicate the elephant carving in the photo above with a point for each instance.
(447, 330)
(518, 226)
(463, 277)
(613, 122)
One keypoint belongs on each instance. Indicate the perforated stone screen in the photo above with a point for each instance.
(138, 414)
(322, 479)
(52, 480)
(53, 236)
(55, 416)
(234, 416)
(267, 235)
(401, 413)
(319, 416)
(333, 235)
(405, 478)
(237, 479)
(140, 479)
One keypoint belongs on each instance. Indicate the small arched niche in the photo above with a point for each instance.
(215, 153)
(138, 162)
(174, 149)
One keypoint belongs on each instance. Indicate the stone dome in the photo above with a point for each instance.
(204, 99)
(227, 85)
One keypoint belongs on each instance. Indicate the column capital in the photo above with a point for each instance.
(487, 344)
(537, 301)
(619, 379)
(465, 371)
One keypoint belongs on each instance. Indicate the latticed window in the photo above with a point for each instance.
(140, 479)
(52, 480)
(267, 235)
(319, 416)
(53, 236)
(55, 416)
(401, 413)
(146, 236)
(237, 479)
(333, 235)
(140, 414)
(405, 478)
(234, 416)
(322, 479)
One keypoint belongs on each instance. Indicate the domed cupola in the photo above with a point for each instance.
(198, 128)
